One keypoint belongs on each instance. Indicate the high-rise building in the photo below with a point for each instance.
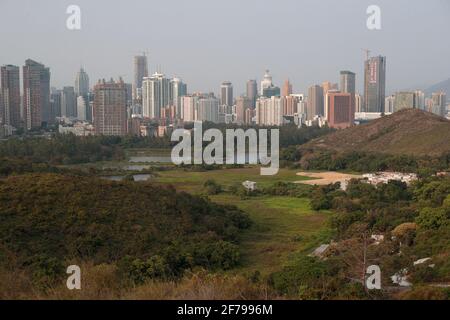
(358, 102)
(269, 111)
(155, 95)
(177, 89)
(315, 105)
(36, 94)
(439, 101)
(68, 102)
(110, 108)
(82, 108)
(81, 83)
(374, 84)
(405, 100)
(10, 95)
(420, 95)
(287, 89)
(242, 104)
(341, 111)
(226, 94)
(268, 89)
(55, 102)
(140, 72)
(208, 109)
(348, 82)
(189, 107)
(252, 91)
(389, 104)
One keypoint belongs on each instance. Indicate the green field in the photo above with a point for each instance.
(282, 226)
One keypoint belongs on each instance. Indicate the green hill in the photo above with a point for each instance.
(47, 220)
(407, 132)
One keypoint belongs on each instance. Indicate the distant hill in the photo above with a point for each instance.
(441, 86)
(410, 132)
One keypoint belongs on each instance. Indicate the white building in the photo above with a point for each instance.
(269, 111)
(155, 95)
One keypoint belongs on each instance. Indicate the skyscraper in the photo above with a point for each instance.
(81, 83)
(315, 104)
(140, 72)
(404, 100)
(10, 95)
(68, 102)
(36, 94)
(287, 89)
(110, 108)
(267, 88)
(155, 95)
(374, 84)
(252, 91)
(348, 82)
(226, 94)
(439, 100)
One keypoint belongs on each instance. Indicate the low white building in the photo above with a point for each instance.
(385, 177)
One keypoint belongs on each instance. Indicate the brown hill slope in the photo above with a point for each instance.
(410, 131)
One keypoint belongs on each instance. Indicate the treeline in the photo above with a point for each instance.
(358, 161)
(149, 232)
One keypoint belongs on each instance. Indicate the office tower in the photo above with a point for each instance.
(226, 94)
(140, 72)
(341, 111)
(389, 104)
(439, 103)
(287, 89)
(348, 82)
(55, 102)
(208, 109)
(267, 88)
(81, 83)
(242, 104)
(68, 102)
(155, 95)
(10, 95)
(189, 107)
(252, 91)
(36, 94)
(177, 90)
(315, 105)
(405, 100)
(269, 111)
(110, 108)
(374, 84)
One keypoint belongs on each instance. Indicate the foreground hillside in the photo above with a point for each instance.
(407, 132)
(49, 221)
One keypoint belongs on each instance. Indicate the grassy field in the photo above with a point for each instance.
(282, 226)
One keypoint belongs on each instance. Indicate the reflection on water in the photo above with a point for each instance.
(137, 177)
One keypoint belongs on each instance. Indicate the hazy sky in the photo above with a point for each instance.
(208, 41)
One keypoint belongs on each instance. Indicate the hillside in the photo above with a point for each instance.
(50, 219)
(407, 132)
(441, 86)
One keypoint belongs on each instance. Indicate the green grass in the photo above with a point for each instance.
(282, 227)
(193, 181)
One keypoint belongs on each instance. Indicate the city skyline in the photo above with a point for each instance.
(194, 60)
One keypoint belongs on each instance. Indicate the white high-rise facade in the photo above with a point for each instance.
(155, 95)
(269, 111)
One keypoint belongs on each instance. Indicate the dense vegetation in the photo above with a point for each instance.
(47, 220)
(415, 223)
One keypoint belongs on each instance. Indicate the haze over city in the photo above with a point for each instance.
(207, 42)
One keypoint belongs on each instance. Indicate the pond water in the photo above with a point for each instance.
(137, 177)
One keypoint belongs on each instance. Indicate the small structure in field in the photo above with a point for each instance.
(249, 185)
